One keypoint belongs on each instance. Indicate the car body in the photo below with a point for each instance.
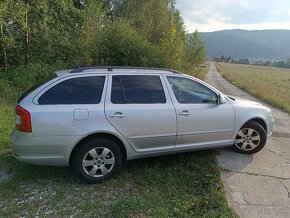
(144, 112)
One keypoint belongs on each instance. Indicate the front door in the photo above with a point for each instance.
(201, 121)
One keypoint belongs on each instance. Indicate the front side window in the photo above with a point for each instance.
(82, 90)
(188, 91)
(137, 89)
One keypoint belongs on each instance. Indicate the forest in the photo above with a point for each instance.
(38, 37)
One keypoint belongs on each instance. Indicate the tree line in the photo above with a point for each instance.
(279, 64)
(70, 33)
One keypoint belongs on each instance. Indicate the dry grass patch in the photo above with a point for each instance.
(267, 83)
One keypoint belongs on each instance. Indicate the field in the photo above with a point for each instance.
(185, 185)
(272, 85)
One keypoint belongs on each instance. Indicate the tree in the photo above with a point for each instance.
(95, 19)
(120, 44)
(196, 50)
(158, 22)
(173, 41)
(149, 17)
(280, 64)
(268, 63)
(10, 16)
(26, 34)
(288, 62)
(3, 39)
(66, 33)
(55, 31)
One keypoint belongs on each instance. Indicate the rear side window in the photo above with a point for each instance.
(82, 90)
(27, 92)
(137, 89)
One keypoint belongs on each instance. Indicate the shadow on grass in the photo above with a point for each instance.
(25, 172)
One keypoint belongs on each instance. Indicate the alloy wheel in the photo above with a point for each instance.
(247, 139)
(98, 162)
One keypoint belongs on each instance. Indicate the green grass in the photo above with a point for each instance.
(184, 185)
(272, 85)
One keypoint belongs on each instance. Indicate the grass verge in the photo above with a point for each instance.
(272, 85)
(200, 72)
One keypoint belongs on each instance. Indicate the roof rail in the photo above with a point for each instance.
(111, 68)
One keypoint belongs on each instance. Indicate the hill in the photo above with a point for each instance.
(253, 44)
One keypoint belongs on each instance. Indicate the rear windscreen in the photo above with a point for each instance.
(22, 95)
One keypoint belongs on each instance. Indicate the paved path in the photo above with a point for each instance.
(257, 185)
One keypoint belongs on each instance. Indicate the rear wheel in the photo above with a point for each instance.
(97, 159)
(250, 139)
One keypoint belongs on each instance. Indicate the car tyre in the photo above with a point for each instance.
(97, 159)
(250, 139)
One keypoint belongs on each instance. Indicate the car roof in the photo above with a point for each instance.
(115, 69)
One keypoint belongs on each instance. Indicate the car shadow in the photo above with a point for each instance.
(22, 172)
(231, 162)
(228, 161)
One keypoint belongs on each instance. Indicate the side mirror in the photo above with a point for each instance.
(220, 99)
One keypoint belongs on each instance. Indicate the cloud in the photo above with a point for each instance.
(234, 13)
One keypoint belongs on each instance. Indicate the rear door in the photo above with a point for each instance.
(140, 108)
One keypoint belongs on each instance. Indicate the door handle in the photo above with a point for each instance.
(117, 115)
(184, 113)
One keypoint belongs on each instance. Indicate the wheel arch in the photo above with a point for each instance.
(100, 135)
(252, 123)
(260, 121)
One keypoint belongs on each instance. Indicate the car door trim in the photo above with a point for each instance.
(153, 136)
(204, 132)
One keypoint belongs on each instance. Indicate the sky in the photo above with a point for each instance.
(214, 15)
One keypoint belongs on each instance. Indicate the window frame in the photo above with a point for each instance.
(163, 84)
(201, 83)
(57, 81)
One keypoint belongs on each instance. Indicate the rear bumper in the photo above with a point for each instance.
(45, 161)
(50, 151)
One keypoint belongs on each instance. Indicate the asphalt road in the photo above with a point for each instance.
(257, 185)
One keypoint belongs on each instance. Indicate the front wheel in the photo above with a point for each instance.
(97, 159)
(250, 139)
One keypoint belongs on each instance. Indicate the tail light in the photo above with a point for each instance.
(22, 121)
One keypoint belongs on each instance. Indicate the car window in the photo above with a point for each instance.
(27, 92)
(188, 91)
(137, 89)
(82, 90)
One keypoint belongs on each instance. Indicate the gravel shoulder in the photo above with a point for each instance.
(257, 185)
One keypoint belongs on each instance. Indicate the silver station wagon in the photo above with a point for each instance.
(95, 118)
